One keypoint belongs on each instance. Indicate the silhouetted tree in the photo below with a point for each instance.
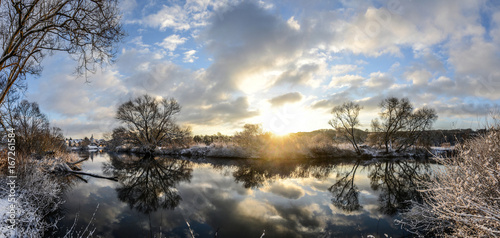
(345, 120)
(401, 126)
(149, 122)
(85, 142)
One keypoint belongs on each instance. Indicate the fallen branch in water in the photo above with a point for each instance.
(64, 168)
(80, 177)
(92, 175)
(77, 162)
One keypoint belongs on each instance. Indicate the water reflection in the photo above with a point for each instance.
(148, 183)
(345, 192)
(241, 198)
(397, 182)
(257, 173)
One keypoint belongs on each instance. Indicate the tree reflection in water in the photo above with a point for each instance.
(345, 192)
(397, 182)
(256, 174)
(148, 183)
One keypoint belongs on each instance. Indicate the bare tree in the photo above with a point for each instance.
(376, 137)
(149, 122)
(394, 114)
(34, 134)
(401, 127)
(418, 122)
(7, 108)
(345, 120)
(31, 29)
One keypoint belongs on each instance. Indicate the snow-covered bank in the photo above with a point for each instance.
(37, 194)
(314, 152)
(5, 229)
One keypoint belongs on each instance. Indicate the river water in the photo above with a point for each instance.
(175, 197)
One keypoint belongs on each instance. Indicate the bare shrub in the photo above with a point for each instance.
(38, 195)
(463, 198)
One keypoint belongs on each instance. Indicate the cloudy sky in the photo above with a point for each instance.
(285, 64)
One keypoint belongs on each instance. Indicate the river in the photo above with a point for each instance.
(176, 197)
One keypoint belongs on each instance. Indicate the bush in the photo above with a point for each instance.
(463, 198)
(37, 196)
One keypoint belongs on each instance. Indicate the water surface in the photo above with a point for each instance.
(159, 197)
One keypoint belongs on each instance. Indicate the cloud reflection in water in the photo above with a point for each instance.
(241, 198)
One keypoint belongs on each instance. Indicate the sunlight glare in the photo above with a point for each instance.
(283, 120)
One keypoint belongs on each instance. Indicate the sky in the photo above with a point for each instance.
(285, 64)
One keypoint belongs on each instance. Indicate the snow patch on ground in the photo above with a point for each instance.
(4, 229)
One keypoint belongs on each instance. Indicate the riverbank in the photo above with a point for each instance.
(317, 152)
(32, 195)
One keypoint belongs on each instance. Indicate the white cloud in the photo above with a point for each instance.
(341, 69)
(169, 17)
(419, 77)
(293, 23)
(348, 79)
(171, 42)
(191, 15)
(379, 81)
(476, 57)
(189, 56)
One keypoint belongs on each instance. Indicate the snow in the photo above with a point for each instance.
(4, 209)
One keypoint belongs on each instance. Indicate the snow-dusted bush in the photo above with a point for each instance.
(37, 196)
(463, 198)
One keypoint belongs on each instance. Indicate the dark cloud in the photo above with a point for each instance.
(225, 112)
(298, 75)
(334, 99)
(286, 98)
(323, 103)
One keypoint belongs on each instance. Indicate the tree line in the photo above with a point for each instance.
(148, 122)
(399, 126)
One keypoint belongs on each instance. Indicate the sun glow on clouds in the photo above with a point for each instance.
(256, 82)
